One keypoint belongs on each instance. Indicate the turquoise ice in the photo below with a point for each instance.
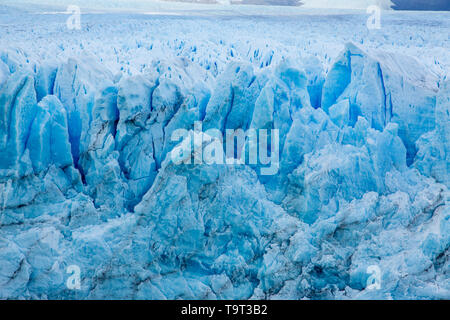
(86, 177)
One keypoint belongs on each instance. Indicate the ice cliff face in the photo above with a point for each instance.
(86, 179)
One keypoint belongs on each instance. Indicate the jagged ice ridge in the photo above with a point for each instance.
(86, 177)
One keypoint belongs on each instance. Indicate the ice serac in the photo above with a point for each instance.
(433, 157)
(278, 106)
(45, 80)
(48, 138)
(100, 162)
(18, 109)
(382, 88)
(233, 100)
(133, 139)
(150, 108)
(75, 85)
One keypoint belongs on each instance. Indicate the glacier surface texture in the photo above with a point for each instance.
(87, 182)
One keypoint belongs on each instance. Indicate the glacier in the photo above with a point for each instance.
(87, 180)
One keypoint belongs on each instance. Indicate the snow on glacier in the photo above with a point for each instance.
(86, 177)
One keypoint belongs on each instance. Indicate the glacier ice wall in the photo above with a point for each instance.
(86, 179)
